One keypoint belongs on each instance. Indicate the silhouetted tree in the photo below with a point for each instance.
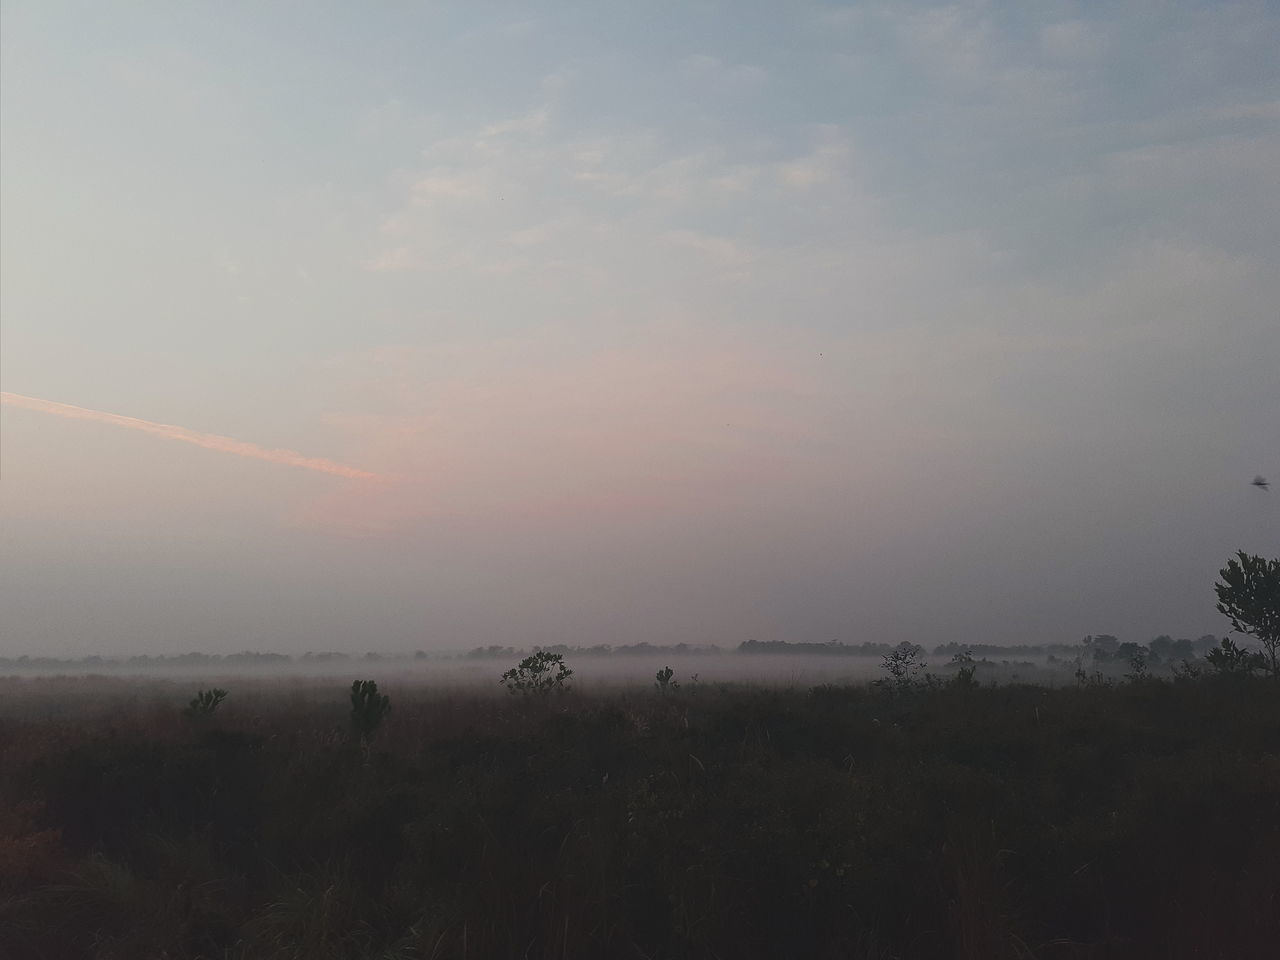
(1249, 596)
(541, 672)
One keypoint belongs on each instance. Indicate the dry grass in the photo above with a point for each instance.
(1017, 822)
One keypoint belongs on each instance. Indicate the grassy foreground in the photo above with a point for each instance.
(1124, 821)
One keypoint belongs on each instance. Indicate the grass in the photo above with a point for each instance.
(1124, 821)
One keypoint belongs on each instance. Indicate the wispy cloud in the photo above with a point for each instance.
(828, 161)
(210, 441)
(720, 249)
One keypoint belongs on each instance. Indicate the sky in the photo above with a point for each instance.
(401, 326)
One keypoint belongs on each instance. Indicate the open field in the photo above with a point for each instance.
(1138, 820)
(592, 673)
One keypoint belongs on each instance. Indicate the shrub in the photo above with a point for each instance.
(665, 681)
(1187, 672)
(903, 666)
(967, 668)
(1235, 660)
(541, 672)
(1138, 670)
(368, 708)
(205, 702)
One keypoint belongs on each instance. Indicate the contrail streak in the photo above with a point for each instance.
(210, 441)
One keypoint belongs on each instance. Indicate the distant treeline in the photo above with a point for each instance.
(145, 662)
(249, 658)
(598, 650)
(831, 648)
(1102, 648)
(246, 658)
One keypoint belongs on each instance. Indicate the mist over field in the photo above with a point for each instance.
(627, 670)
(476, 675)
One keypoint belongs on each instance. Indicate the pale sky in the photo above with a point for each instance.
(398, 326)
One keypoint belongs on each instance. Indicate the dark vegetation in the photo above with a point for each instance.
(1249, 596)
(927, 816)
(541, 672)
(205, 702)
(1110, 820)
(368, 709)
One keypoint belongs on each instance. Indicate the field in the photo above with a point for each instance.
(1095, 820)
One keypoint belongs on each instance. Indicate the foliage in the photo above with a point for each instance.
(749, 823)
(1235, 660)
(1249, 596)
(904, 667)
(966, 669)
(540, 672)
(1138, 669)
(664, 682)
(368, 708)
(1187, 672)
(205, 702)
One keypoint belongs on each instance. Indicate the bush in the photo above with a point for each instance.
(1139, 672)
(964, 678)
(368, 708)
(205, 702)
(1230, 659)
(903, 666)
(540, 673)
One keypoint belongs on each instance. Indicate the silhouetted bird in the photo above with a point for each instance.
(1261, 482)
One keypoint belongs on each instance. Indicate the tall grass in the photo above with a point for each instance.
(1132, 821)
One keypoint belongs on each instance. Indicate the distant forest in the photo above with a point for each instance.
(1103, 648)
